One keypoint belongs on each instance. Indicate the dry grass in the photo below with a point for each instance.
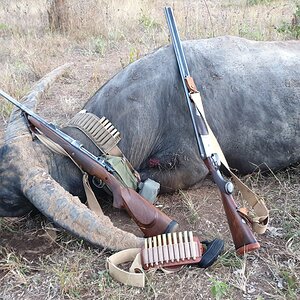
(104, 36)
(73, 270)
(28, 49)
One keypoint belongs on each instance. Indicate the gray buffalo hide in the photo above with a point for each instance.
(251, 96)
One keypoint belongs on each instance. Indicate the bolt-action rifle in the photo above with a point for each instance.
(242, 235)
(151, 220)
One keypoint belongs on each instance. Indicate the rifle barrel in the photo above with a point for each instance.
(182, 64)
(184, 73)
(54, 130)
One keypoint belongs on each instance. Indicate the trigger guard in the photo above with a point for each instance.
(98, 183)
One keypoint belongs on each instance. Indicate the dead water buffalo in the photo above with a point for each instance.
(251, 93)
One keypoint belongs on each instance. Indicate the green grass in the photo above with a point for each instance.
(219, 289)
(291, 29)
(259, 2)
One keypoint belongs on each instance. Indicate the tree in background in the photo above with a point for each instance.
(58, 15)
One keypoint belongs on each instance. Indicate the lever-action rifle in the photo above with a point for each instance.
(150, 219)
(242, 235)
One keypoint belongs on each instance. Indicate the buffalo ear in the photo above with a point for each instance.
(68, 212)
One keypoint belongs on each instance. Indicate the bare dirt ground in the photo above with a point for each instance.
(35, 266)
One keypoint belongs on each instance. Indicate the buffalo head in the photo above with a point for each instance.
(27, 184)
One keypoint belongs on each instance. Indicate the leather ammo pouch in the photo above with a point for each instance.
(170, 250)
(168, 253)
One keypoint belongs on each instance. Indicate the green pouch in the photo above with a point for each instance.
(124, 174)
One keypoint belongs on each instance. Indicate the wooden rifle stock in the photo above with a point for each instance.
(151, 220)
(241, 233)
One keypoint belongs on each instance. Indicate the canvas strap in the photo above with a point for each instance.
(136, 274)
(127, 277)
(92, 201)
(260, 221)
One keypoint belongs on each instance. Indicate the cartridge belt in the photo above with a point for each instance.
(168, 252)
(99, 130)
(172, 249)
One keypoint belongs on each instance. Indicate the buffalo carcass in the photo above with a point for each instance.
(250, 91)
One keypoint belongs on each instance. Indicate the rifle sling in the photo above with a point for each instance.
(136, 274)
(105, 137)
(128, 278)
(260, 221)
(92, 202)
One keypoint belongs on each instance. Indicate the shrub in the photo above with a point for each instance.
(292, 29)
